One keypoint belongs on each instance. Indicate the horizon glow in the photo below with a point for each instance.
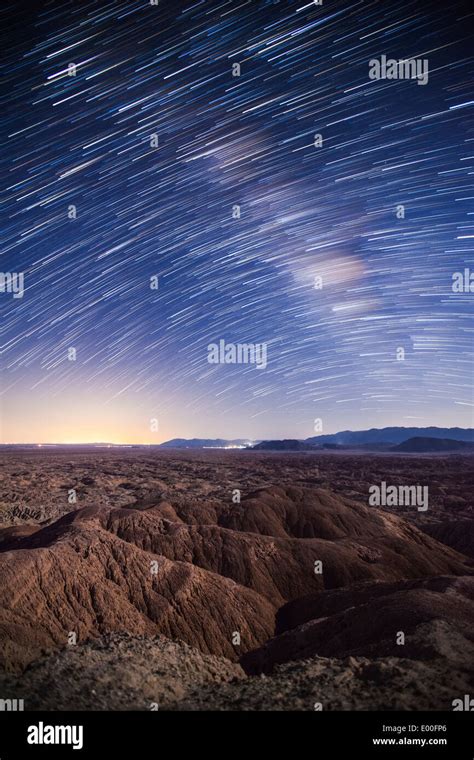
(315, 265)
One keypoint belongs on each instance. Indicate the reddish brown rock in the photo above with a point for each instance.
(367, 620)
(89, 572)
(78, 577)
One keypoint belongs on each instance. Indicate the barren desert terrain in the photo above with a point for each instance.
(239, 580)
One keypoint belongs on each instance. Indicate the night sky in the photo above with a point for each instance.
(167, 211)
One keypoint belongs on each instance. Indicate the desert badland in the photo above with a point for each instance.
(234, 580)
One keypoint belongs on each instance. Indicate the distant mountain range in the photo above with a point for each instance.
(389, 438)
(392, 435)
(414, 438)
(287, 444)
(433, 444)
(206, 443)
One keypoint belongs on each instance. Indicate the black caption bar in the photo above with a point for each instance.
(131, 735)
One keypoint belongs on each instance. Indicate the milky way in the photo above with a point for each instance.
(337, 252)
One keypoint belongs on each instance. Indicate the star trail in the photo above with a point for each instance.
(189, 172)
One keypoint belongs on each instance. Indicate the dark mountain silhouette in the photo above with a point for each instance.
(287, 444)
(387, 437)
(428, 445)
(392, 435)
(202, 443)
